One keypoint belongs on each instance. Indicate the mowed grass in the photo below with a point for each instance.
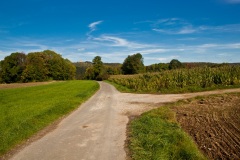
(25, 111)
(156, 135)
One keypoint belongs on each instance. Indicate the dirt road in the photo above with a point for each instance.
(97, 130)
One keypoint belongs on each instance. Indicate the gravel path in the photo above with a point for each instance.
(97, 130)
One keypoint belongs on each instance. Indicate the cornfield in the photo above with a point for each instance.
(181, 80)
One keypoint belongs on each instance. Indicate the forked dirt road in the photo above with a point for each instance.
(97, 130)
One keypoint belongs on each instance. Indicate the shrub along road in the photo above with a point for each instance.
(97, 130)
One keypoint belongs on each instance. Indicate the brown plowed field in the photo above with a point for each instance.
(214, 124)
(20, 85)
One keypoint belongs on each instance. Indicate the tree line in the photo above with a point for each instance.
(97, 70)
(35, 67)
(48, 65)
(133, 64)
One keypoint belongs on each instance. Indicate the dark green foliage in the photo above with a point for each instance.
(113, 69)
(81, 68)
(109, 69)
(97, 71)
(12, 67)
(175, 64)
(133, 64)
(97, 67)
(89, 74)
(36, 69)
(157, 67)
(36, 66)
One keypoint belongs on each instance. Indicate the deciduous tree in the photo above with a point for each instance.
(174, 64)
(133, 64)
(12, 67)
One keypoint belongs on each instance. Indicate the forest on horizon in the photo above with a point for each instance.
(49, 65)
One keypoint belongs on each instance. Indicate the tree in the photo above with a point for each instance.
(174, 64)
(97, 71)
(48, 65)
(133, 64)
(59, 68)
(1, 80)
(81, 68)
(36, 66)
(37, 69)
(89, 74)
(12, 67)
(69, 70)
(97, 66)
(157, 67)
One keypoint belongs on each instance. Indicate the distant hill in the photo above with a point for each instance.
(209, 64)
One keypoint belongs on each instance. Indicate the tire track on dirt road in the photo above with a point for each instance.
(97, 129)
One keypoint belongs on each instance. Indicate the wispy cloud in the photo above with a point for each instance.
(180, 27)
(173, 26)
(114, 41)
(81, 49)
(221, 28)
(162, 59)
(220, 46)
(152, 51)
(93, 27)
(184, 30)
(232, 1)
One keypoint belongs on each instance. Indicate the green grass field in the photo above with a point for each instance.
(25, 111)
(156, 135)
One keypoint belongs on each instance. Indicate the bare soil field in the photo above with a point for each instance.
(19, 85)
(214, 124)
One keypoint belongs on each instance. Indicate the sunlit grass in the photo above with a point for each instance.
(24, 111)
(156, 135)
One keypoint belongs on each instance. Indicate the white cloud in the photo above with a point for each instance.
(164, 59)
(187, 30)
(81, 49)
(232, 1)
(184, 30)
(180, 26)
(115, 40)
(151, 51)
(197, 29)
(187, 39)
(173, 26)
(222, 28)
(220, 46)
(93, 26)
(161, 59)
(119, 42)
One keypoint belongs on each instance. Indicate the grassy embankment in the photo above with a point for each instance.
(156, 135)
(25, 111)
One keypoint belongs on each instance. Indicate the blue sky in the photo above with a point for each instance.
(161, 30)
